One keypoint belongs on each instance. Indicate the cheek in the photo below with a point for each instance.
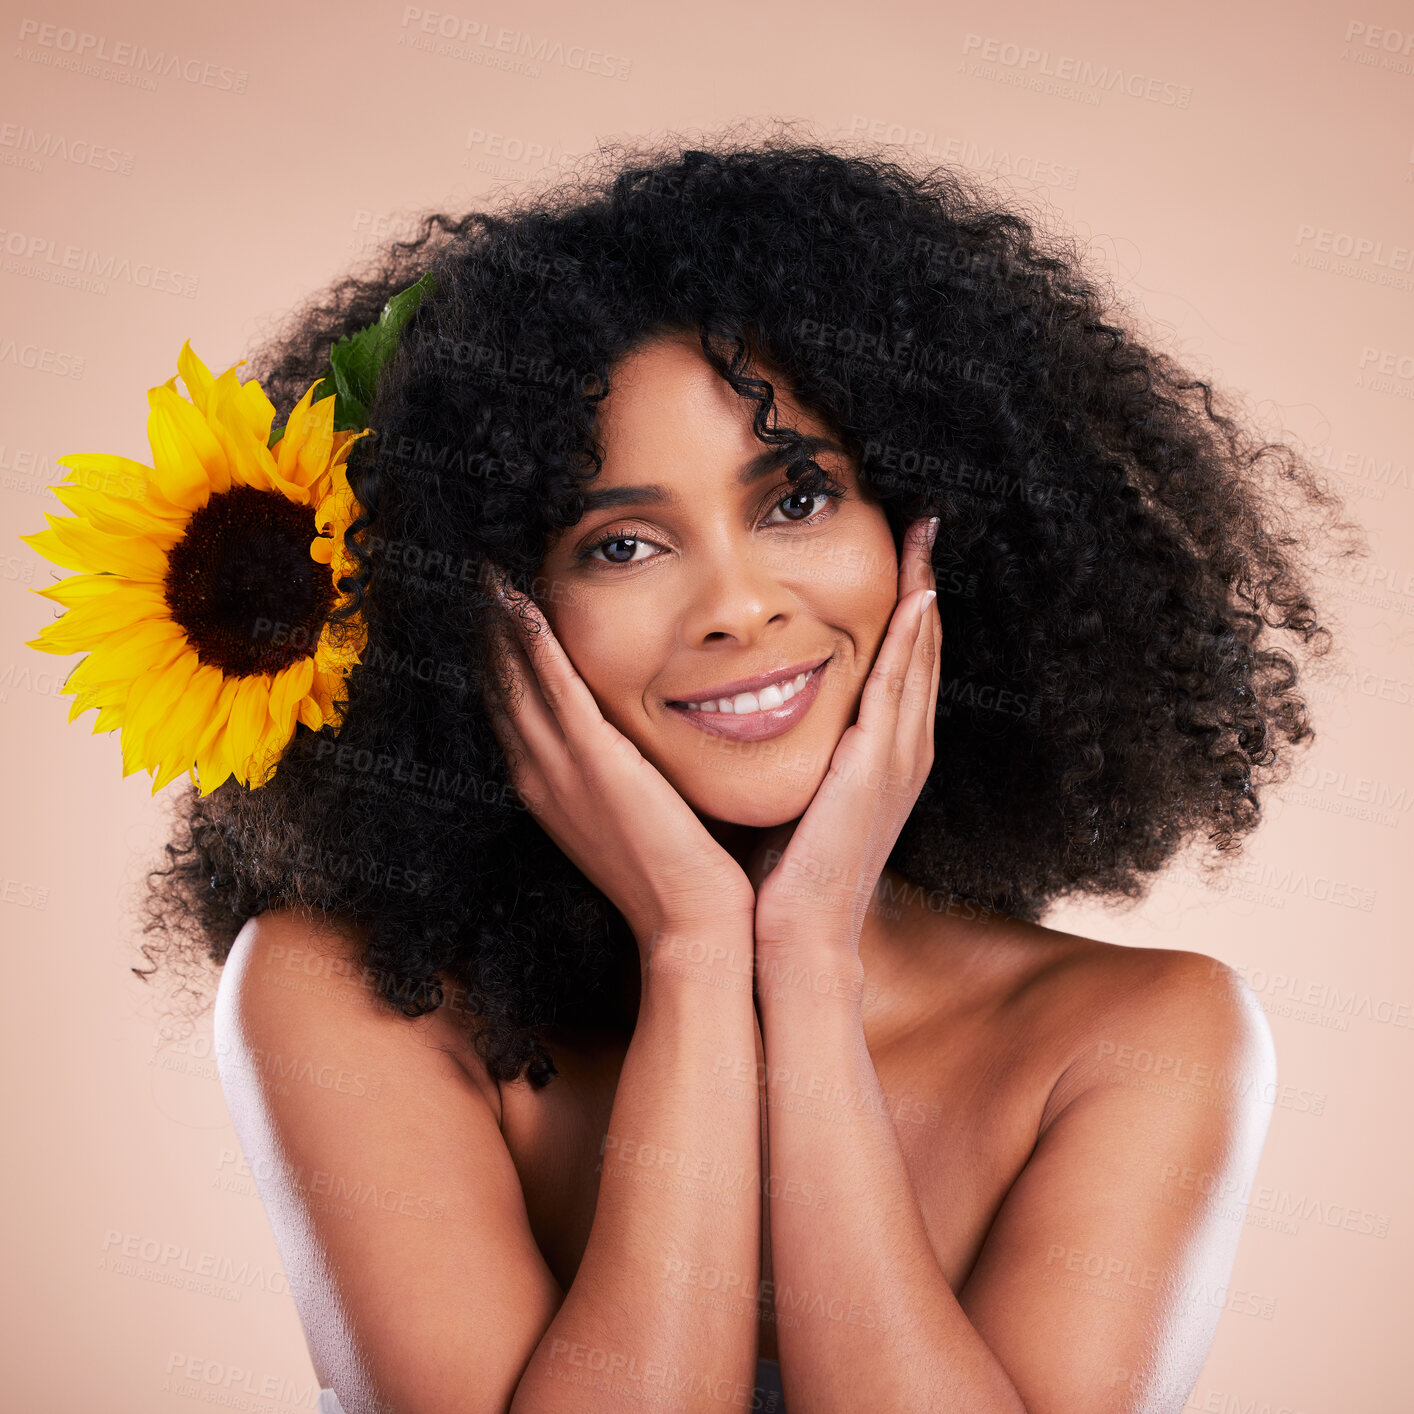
(609, 652)
(852, 584)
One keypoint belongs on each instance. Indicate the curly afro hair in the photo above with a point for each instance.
(1117, 551)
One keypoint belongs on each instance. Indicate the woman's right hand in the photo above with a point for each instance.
(592, 791)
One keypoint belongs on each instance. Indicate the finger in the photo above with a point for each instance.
(518, 692)
(916, 562)
(522, 696)
(919, 696)
(565, 693)
(937, 671)
(933, 614)
(500, 686)
(888, 682)
(522, 769)
(519, 762)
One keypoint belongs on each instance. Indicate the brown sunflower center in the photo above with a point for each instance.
(242, 584)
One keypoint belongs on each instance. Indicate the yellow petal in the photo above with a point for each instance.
(291, 467)
(119, 517)
(343, 445)
(338, 505)
(154, 698)
(321, 692)
(169, 770)
(213, 763)
(114, 712)
(110, 699)
(340, 645)
(249, 713)
(77, 545)
(188, 722)
(248, 460)
(163, 680)
(133, 760)
(46, 645)
(290, 685)
(318, 444)
(251, 461)
(210, 746)
(130, 652)
(84, 588)
(191, 714)
(197, 376)
(108, 719)
(243, 406)
(259, 410)
(120, 477)
(186, 457)
(271, 748)
(87, 626)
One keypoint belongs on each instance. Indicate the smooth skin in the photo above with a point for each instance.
(755, 883)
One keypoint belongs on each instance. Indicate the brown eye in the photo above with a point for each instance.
(612, 543)
(613, 548)
(620, 544)
(824, 494)
(799, 497)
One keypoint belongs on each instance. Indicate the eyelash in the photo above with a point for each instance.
(824, 492)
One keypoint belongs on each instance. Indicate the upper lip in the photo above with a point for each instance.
(731, 689)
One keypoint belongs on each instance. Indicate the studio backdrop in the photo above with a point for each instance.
(1239, 178)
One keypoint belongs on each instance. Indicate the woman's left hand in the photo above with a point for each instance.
(813, 902)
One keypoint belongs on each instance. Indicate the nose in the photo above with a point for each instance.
(734, 594)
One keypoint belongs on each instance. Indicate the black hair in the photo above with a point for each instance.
(1119, 556)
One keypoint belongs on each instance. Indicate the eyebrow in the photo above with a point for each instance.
(655, 495)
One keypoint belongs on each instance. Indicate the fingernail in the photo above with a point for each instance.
(928, 599)
(931, 534)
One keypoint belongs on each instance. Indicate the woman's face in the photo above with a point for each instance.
(723, 574)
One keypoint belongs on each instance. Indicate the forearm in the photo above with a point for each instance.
(861, 1266)
(679, 1193)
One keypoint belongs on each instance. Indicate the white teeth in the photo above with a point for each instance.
(763, 701)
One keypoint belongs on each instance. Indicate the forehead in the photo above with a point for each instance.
(666, 399)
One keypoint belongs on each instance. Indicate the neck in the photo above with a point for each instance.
(885, 950)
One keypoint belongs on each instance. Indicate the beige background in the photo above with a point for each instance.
(1248, 186)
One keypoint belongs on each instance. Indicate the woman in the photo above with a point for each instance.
(643, 997)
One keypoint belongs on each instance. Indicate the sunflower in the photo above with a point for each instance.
(208, 582)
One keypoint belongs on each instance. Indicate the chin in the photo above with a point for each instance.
(756, 785)
(762, 816)
(755, 795)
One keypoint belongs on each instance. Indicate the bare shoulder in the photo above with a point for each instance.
(294, 955)
(1158, 1075)
(298, 973)
(384, 1175)
(1173, 1021)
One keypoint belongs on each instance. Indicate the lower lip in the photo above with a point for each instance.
(758, 726)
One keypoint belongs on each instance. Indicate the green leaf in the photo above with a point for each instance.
(356, 361)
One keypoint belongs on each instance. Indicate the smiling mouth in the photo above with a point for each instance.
(757, 716)
(763, 699)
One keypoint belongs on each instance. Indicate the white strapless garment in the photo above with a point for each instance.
(769, 1400)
